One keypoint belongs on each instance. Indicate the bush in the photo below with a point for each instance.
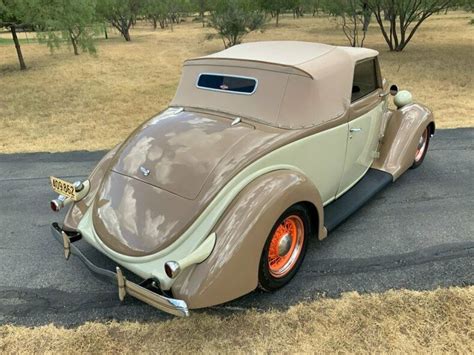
(234, 19)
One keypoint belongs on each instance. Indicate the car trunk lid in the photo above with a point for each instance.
(177, 150)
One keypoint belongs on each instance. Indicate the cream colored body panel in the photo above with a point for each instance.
(323, 169)
(362, 144)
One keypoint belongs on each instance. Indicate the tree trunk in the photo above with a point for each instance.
(18, 48)
(277, 17)
(155, 24)
(105, 32)
(378, 16)
(367, 15)
(74, 45)
(126, 34)
(74, 42)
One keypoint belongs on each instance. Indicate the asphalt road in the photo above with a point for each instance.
(417, 234)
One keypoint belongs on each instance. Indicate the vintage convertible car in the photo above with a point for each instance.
(265, 146)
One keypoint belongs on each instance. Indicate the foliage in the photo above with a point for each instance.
(354, 18)
(120, 13)
(277, 7)
(165, 12)
(312, 6)
(14, 14)
(234, 19)
(466, 5)
(177, 9)
(156, 12)
(69, 21)
(404, 18)
(201, 6)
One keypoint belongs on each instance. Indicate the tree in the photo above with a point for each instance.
(234, 19)
(13, 17)
(202, 6)
(466, 5)
(69, 21)
(298, 8)
(276, 7)
(120, 13)
(156, 12)
(311, 6)
(176, 9)
(404, 18)
(354, 17)
(165, 11)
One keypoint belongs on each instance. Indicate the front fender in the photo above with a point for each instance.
(232, 268)
(404, 128)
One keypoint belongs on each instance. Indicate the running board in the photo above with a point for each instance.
(338, 211)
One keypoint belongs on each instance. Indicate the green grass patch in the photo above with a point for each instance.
(9, 41)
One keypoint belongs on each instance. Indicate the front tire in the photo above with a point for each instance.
(422, 148)
(284, 249)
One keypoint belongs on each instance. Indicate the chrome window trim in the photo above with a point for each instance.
(228, 91)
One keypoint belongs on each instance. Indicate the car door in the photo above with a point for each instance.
(365, 119)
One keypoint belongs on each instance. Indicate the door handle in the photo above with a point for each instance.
(352, 130)
(384, 94)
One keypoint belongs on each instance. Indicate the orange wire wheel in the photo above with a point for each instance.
(421, 148)
(285, 246)
(284, 249)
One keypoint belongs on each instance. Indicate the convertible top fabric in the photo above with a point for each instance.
(300, 84)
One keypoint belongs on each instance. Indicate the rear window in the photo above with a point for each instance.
(365, 79)
(227, 83)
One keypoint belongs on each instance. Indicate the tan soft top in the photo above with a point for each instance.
(300, 84)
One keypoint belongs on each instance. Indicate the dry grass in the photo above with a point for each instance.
(64, 102)
(395, 321)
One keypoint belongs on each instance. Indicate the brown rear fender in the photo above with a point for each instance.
(232, 268)
(77, 210)
(404, 128)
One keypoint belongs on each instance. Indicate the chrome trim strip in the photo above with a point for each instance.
(236, 121)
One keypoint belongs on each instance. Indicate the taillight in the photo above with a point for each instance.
(172, 269)
(56, 205)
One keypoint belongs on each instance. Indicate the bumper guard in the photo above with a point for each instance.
(166, 304)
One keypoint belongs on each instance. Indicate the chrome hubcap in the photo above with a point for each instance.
(284, 245)
(420, 149)
(421, 142)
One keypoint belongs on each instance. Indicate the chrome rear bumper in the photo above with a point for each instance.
(166, 304)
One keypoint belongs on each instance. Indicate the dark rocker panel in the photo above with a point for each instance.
(338, 211)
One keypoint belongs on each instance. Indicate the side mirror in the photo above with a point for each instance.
(393, 90)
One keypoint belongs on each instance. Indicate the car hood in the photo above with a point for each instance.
(177, 151)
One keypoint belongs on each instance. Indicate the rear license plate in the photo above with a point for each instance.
(63, 187)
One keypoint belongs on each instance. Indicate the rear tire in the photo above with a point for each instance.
(422, 148)
(284, 249)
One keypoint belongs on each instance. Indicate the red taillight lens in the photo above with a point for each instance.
(168, 271)
(55, 206)
(172, 269)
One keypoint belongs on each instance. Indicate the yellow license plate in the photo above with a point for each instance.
(63, 187)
